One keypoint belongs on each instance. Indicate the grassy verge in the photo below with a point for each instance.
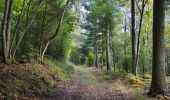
(32, 79)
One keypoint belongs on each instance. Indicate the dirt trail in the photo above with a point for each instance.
(86, 85)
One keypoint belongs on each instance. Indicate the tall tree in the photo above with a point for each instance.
(108, 60)
(158, 84)
(134, 69)
(45, 43)
(141, 11)
(96, 51)
(6, 28)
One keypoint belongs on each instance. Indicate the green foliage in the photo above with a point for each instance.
(147, 76)
(90, 59)
(117, 75)
(56, 69)
(135, 81)
(21, 84)
(61, 69)
(12, 61)
(47, 74)
(68, 68)
(61, 47)
(139, 96)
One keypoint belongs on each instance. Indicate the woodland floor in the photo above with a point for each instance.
(87, 84)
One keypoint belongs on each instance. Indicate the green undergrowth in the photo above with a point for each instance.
(126, 82)
(134, 83)
(127, 78)
(168, 81)
(18, 81)
(63, 67)
(138, 95)
(109, 76)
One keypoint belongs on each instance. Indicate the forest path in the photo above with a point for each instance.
(90, 84)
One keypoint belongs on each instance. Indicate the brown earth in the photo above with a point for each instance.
(85, 84)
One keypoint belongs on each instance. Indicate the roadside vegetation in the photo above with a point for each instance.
(33, 79)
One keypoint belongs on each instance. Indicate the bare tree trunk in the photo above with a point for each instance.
(8, 27)
(134, 69)
(102, 62)
(125, 43)
(108, 52)
(96, 54)
(114, 66)
(143, 63)
(3, 30)
(41, 35)
(158, 84)
(43, 50)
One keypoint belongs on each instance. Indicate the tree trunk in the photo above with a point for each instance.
(46, 43)
(8, 27)
(158, 84)
(143, 62)
(21, 15)
(43, 50)
(102, 59)
(125, 65)
(102, 62)
(96, 54)
(108, 52)
(96, 60)
(3, 30)
(134, 69)
(140, 29)
(114, 66)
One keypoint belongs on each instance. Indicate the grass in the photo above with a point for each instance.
(127, 83)
(139, 96)
(31, 79)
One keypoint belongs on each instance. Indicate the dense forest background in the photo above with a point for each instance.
(128, 37)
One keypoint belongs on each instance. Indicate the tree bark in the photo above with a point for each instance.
(108, 52)
(8, 27)
(43, 50)
(158, 84)
(134, 69)
(3, 30)
(96, 54)
(102, 59)
(143, 62)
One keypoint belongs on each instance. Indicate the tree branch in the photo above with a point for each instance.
(138, 6)
(59, 25)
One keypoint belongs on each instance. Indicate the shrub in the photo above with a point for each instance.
(90, 59)
(12, 61)
(147, 76)
(135, 81)
(69, 68)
